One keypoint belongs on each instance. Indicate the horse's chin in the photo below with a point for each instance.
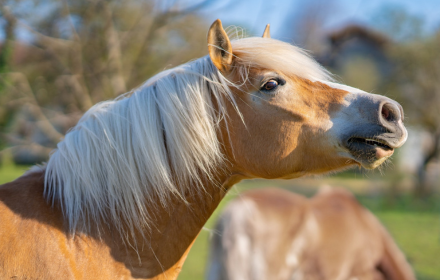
(371, 157)
(374, 164)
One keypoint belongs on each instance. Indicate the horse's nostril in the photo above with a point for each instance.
(385, 113)
(390, 112)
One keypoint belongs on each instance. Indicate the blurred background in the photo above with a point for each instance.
(58, 58)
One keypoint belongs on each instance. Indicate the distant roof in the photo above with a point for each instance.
(358, 31)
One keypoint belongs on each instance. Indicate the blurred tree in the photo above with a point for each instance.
(5, 61)
(306, 21)
(415, 79)
(416, 85)
(80, 52)
(396, 22)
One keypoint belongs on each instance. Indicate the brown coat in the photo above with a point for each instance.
(278, 235)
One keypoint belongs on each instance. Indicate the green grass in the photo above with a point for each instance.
(418, 235)
(9, 172)
(414, 224)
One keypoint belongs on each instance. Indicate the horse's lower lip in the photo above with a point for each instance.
(381, 153)
(369, 152)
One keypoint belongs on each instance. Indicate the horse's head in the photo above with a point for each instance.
(296, 121)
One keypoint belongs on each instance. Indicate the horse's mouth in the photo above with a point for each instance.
(358, 142)
(370, 152)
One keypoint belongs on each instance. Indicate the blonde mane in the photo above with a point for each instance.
(158, 142)
(283, 57)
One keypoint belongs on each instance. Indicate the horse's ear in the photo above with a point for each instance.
(266, 33)
(219, 47)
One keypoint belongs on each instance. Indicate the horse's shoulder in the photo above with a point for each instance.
(23, 205)
(23, 192)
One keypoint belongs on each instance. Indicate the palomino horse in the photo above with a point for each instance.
(127, 191)
(275, 234)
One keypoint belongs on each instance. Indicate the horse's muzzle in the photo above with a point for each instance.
(374, 128)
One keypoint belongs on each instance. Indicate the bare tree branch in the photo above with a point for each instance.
(43, 123)
(20, 143)
(114, 54)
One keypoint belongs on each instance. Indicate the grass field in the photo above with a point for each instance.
(414, 224)
(9, 172)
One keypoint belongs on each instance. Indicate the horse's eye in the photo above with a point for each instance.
(270, 85)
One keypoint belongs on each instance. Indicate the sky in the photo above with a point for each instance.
(255, 14)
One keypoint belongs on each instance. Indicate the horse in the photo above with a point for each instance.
(276, 234)
(128, 189)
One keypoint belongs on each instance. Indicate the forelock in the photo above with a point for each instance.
(276, 55)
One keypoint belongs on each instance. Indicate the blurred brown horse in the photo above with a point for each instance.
(277, 235)
(129, 188)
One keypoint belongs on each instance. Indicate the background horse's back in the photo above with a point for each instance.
(279, 235)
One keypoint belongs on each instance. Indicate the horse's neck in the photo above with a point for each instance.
(159, 254)
(173, 231)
